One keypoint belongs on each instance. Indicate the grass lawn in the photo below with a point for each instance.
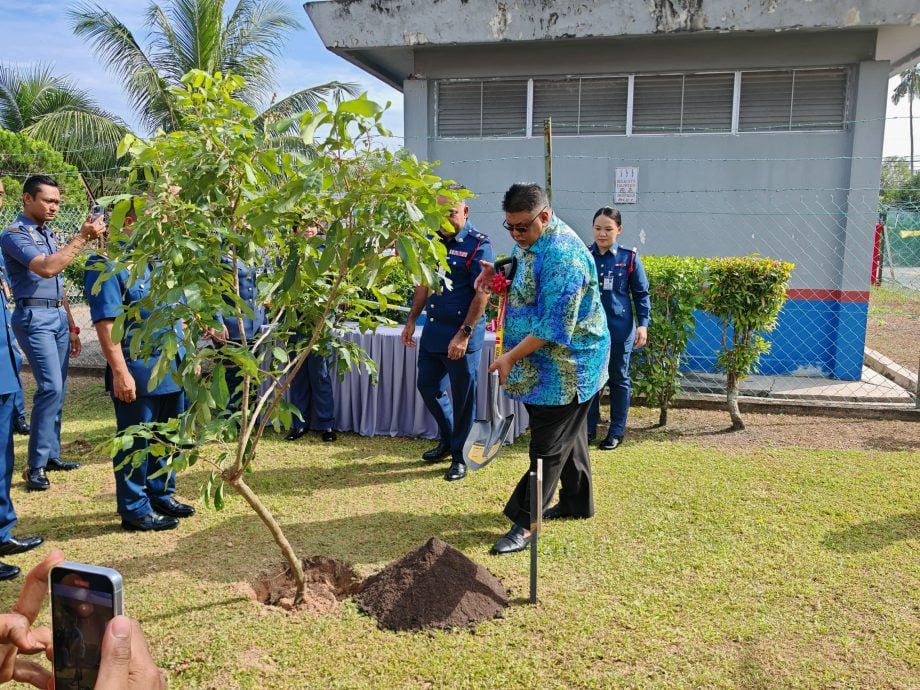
(709, 563)
(893, 324)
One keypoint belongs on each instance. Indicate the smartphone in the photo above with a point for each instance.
(506, 267)
(84, 598)
(97, 211)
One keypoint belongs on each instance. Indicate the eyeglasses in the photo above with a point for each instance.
(522, 228)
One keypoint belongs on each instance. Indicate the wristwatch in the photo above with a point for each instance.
(468, 330)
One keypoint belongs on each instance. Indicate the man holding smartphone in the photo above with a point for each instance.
(42, 322)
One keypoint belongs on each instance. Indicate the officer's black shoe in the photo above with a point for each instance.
(456, 471)
(21, 426)
(58, 465)
(152, 522)
(329, 436)
(7, 571)
(14, 545)
(36, 480)
(439, 452)
(295, 434)
(611, 442)
(167, 505)
(591, 436)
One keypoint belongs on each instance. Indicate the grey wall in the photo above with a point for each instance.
(786, 195)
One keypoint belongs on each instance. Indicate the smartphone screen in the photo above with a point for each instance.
(84, 598)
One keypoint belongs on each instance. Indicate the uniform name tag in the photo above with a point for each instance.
(608, 281)
(457, 252)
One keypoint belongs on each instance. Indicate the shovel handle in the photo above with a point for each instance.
(494, 385)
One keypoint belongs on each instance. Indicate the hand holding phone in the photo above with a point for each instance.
(84, 598)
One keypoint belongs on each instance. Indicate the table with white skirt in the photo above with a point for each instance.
(393, 407)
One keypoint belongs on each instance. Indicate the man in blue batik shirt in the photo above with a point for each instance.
(451, 342)
(143, 494)
(556, 361)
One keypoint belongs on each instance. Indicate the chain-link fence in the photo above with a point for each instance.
(838, 339)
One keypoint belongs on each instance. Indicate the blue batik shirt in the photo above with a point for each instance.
(554, 296)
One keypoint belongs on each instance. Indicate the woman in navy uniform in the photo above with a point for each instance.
(20, 424)
(451, 342)
(145, 502)
(42, 322)
(9, 386)
(624, 294)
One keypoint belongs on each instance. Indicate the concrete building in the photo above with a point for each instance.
(741, 125)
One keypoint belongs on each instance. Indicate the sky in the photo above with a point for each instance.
(39, 31)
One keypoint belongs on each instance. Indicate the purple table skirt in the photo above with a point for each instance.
(393, 407)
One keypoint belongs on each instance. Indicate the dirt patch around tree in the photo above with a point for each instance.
(435, 586)
(328, 582)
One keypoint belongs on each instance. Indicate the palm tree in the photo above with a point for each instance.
(196, 34)
(35, 102)
(908, 87)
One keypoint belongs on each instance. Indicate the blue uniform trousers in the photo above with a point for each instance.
(134, 486)
(7, 513)
(44, 337)
(454, 413)
(620, 390)
(18, 398)
(311, 392)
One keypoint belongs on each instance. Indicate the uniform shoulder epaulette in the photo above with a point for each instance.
(475, 234)
(13, 227)
(633, 250)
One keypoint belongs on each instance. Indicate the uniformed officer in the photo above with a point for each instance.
(9, 385)
(311, 391)
(20, 423)
(625, 296)
(247, 277)
(42, 321)
(144, 498)
(451, 342)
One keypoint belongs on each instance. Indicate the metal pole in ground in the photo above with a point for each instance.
(536, 523)
(548, 155)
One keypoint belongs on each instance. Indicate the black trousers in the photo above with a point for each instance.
(558, 434)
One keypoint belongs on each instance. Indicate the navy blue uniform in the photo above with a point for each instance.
(19, 399)
(445, 315)
(41, 327)
(247, 277)
(625, 297)
(9, 385)
(135, 488)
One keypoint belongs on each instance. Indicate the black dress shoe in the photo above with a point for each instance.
(329, 436)
(611, 442)
(168, 505)
(557, 513)
(21, 426)
(457, 470)
(511, 542)
(7, 571)
(591, 436)
(36, 480)
(15, 545)
(152, 522)
(295, 434)
(439, 452)
(56, 464)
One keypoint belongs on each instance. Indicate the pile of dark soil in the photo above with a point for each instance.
(328, 582)
(434, 586)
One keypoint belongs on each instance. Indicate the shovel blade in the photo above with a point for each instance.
(477, 444)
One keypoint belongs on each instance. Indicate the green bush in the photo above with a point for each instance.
(21, 156)
(745, 294)
(675, 294)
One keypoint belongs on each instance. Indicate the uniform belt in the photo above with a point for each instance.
(36, 302)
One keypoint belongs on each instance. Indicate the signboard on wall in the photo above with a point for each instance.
(626, 188)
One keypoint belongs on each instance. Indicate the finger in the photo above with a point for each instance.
(29, 672)
(36, 586)
(115, 664)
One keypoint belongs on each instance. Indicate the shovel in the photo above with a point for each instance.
(487, 437)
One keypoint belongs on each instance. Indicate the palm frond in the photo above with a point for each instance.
(309, 99)
(119, 50)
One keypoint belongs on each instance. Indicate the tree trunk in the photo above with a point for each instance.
(265, 515)
(731, 396)
(663, 416)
